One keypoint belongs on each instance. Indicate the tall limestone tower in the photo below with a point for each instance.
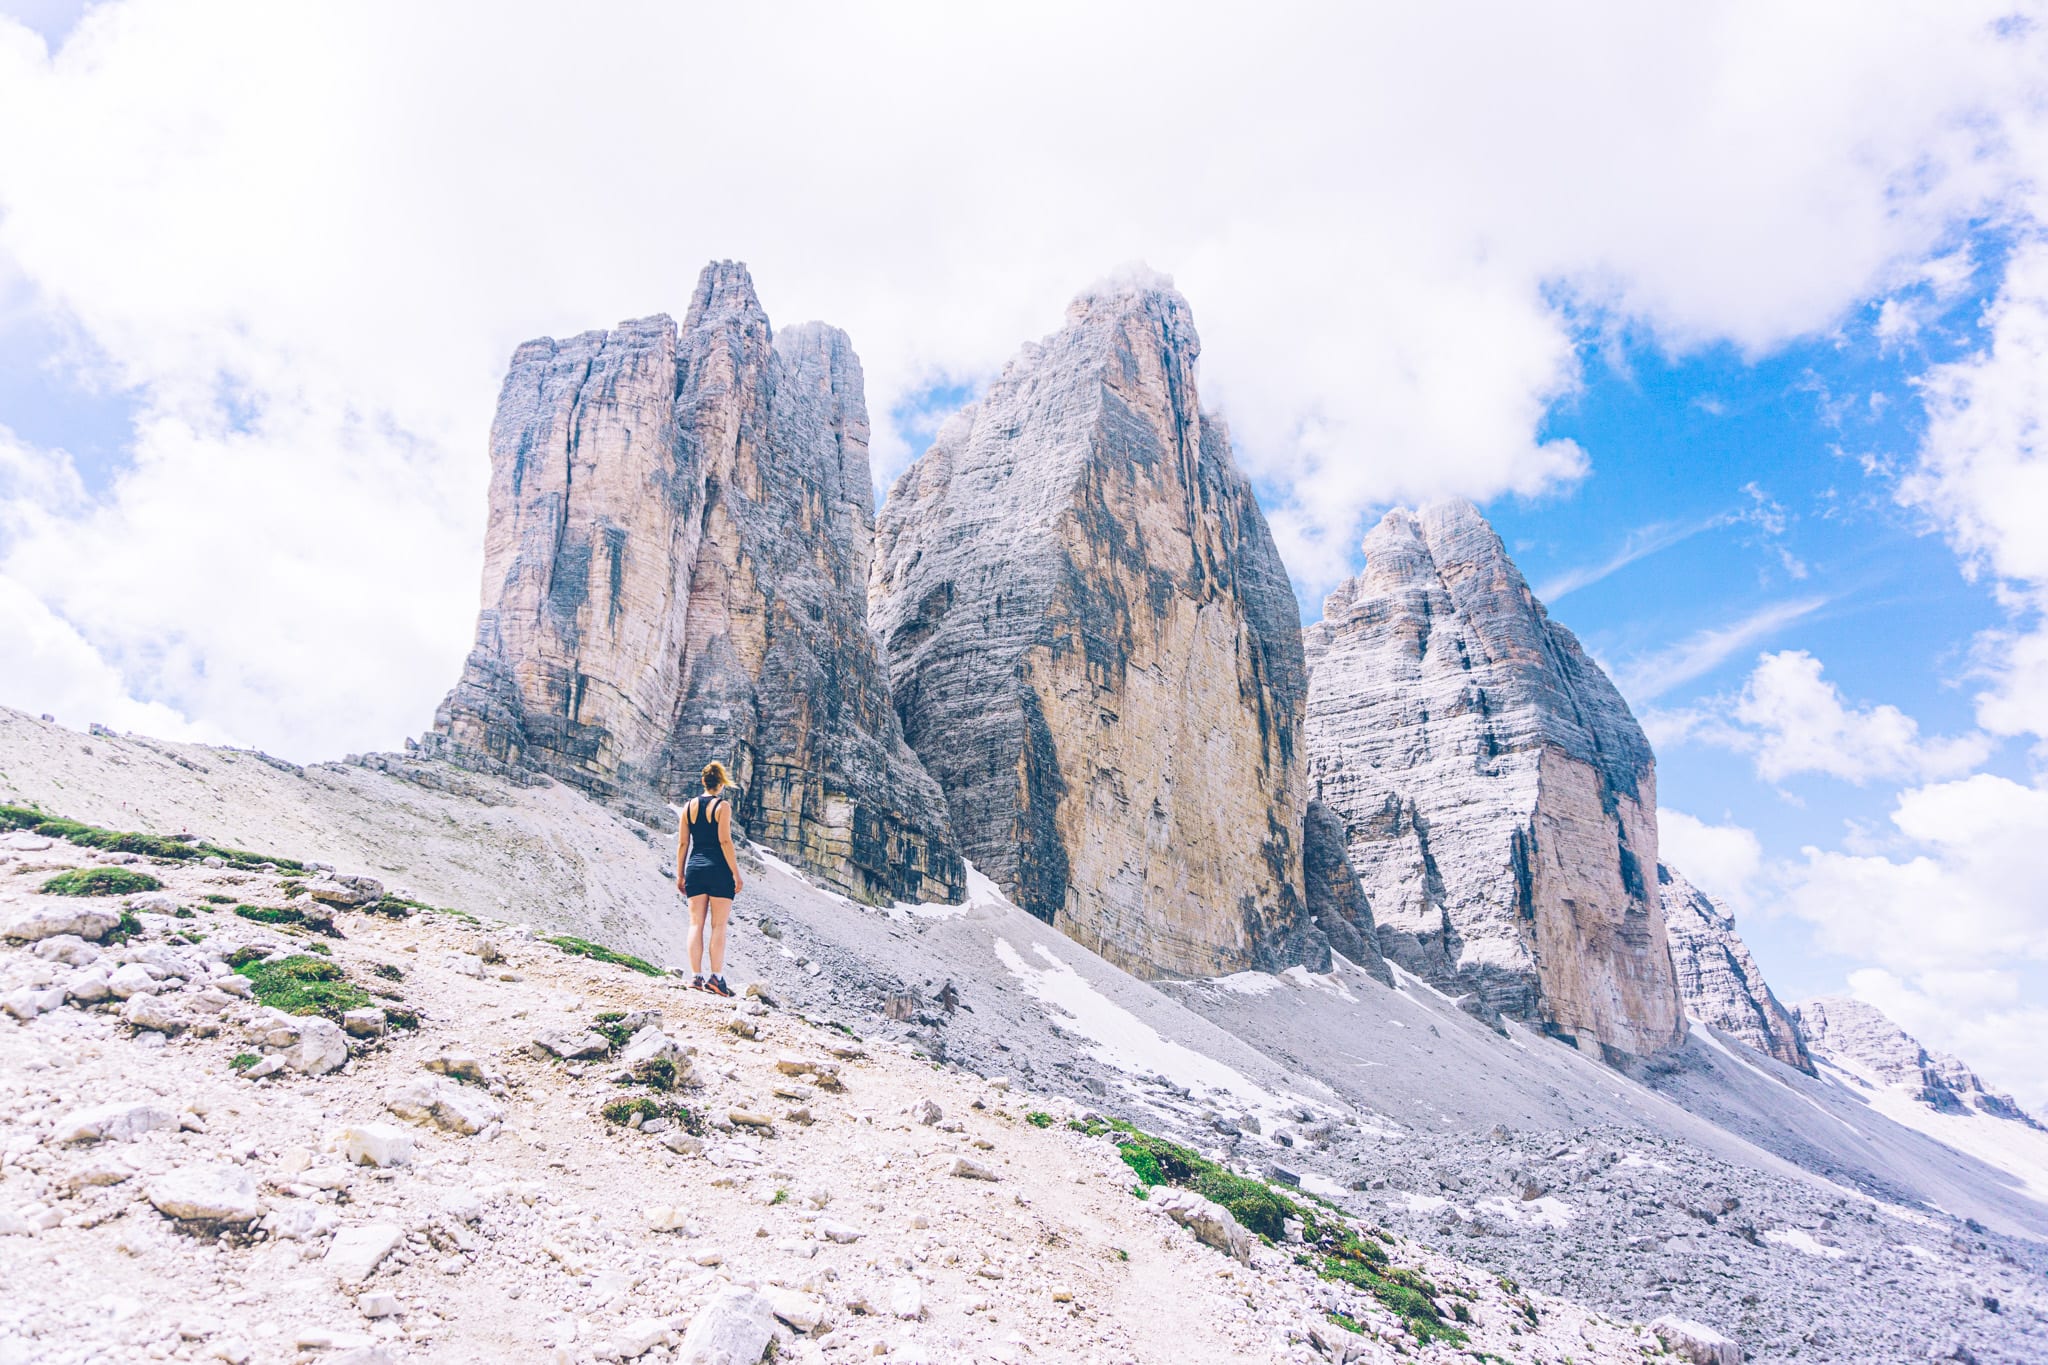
(1094, 648)
(675, 570)
(1499, 801)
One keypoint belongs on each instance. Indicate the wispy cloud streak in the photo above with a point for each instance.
(1645, 679)
(1638, 544)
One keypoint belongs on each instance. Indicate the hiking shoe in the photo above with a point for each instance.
(716, 985)
(697, 983)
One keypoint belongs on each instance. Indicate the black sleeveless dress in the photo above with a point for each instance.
(705, 871)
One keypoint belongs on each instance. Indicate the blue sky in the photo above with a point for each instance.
(1734, 320)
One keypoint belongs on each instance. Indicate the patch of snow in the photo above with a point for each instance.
(1548, 1212)
(1247, 983)
(1800, 1240)
(2007, 1144)
(1322, 1185)
(1302, 976)
(1123, 1040)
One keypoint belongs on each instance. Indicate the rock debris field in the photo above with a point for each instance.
(478, 1145)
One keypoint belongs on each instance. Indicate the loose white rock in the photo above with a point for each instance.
(374, 1144)
(50, 920)
(357, 1251)
(206, 1194)
(1695, 1342)
(1209, 1221)
(732, 1329)
(121, 1121)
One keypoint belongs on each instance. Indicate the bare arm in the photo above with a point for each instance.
(682, 850)
(732, 859)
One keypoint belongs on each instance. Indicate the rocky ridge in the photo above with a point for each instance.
(1094, 648)
(675, 570)
(1498, 797)
(1851, 1033)
(1721, 982)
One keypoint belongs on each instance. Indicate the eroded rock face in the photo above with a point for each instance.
(1498, 798)
(1336, 902)
(1094, 648)
(1720, 981)
(675, 570)
(1863, 1040)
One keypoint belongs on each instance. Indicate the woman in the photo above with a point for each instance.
(708, 872)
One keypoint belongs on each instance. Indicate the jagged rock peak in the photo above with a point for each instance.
(1861, 1039)
(1721, 982)
(1095, 649)
(675, 570)
(725, 291)
(1498, 797)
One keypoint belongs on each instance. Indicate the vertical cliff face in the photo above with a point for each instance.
(1498, 798)
(1094, 648)
(675, 570)
(1720, 981)
(1862, 1040)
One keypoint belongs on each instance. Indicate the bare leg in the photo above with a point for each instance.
(721, 911)
(697, 911)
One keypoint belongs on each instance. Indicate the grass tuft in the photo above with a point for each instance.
(1038, 1118)
(100, 881)
(318, 921)
(242, 1061)
(167, 847)
(583, 947)
(303, 985)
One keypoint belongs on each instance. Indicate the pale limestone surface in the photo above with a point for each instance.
(1499, 799)
(1720, 981)
(675, 570)
(1094, 648)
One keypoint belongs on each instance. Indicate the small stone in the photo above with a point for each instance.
(322, 1047)
(1696, 1342)
(734, 1328)
(927, 1112)
(130, 980)
(804, 1312)
(906, 1299)
(374, 1144)
(153, 1014)
(356, 1252)
(746, 1118)
(379, 1304)
(461, 1065)
(1062, 1295)
(970, 1170)
(121, 1121)
(636, 1339)
(206, 1194)
(838, 1232)
(49, 921)
(364, 1023)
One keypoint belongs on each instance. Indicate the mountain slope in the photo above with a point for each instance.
(1395, 1103)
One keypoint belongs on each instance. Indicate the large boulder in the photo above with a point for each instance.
(675, 570)
(734, 1328)
(1095, 649)
(214, 1193)
(48, 919)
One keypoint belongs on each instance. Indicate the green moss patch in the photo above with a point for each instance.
(303, 985)
(100, 881)
(314, 921)
(242, 1061)
(168, 847)
(621, 1112)
(583, 947)
(1038, 1118)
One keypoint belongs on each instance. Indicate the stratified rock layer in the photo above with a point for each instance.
(1498, 798)
(1720, 981)
(1862, 1038)
(1094, 648)
(675, 570)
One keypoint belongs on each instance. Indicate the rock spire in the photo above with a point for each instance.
(1095, 649)
(675, 570)
(1720, 981)
(1498, 798)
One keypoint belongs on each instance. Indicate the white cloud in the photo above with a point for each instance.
(309, 238)
(1722, 860)
(1983, 470)
(1640, 543)
(1651, 676)
(1954, 919)
(1795, 721)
